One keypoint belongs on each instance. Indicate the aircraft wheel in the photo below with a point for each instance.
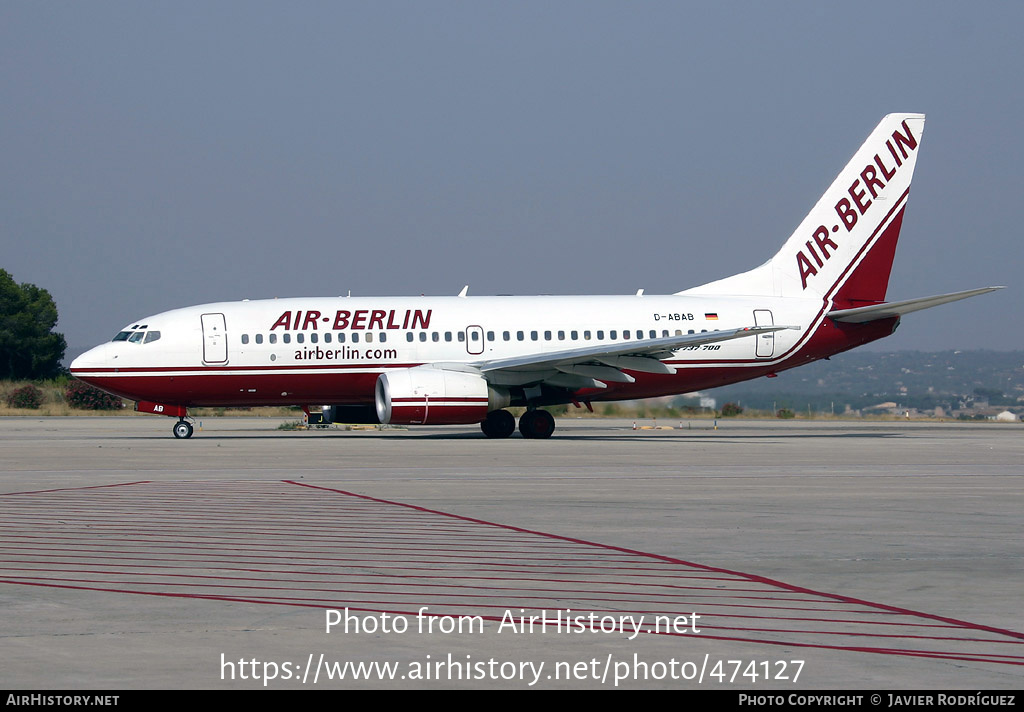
(498, 424)
(183, 429)
(537, 424)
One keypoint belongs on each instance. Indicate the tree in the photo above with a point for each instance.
(29, 348)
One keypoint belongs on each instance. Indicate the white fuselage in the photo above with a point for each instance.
(267, 351)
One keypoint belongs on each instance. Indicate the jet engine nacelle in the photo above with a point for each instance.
(434, 396)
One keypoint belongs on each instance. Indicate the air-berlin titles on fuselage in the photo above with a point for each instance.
(365, 319)
(870, 181)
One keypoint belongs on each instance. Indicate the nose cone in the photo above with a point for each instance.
(93, 359)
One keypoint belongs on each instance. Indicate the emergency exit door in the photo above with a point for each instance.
(475, 340)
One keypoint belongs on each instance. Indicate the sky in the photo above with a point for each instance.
(163, 154)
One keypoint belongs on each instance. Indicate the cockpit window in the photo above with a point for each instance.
(137, 335)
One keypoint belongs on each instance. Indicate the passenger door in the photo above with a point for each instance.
(765, 342)
(215, 339)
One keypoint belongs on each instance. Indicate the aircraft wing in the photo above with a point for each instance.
(860, 315)
(589, 366)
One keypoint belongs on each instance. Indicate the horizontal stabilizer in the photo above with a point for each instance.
(861, 315)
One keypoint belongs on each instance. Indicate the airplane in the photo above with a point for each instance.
(464, 360)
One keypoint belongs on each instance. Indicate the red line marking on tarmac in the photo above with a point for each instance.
(154, 540)
(668, 559)
(75, 489)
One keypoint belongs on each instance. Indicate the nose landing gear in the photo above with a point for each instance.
(182, 429)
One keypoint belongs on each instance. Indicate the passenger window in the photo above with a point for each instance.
(273, 338)
(600, 335)
(286, 338)
(533, 335)
(506, 336)
(447, 336)
(341, 338)
(613, 335)
(462, 336)
(490, 336)
(409, 337)
(561, 336)
(474, 336)
(245, 338)
(300, 338)
(368, 337)
(259, 338)
(355, 338)
(327, 338)
(423, 336)
(520, 336)
(435, 337)
(586, 335)
(313, 338)
(575, 335)
(383, 337)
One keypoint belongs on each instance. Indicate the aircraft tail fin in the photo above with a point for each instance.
(843, 250)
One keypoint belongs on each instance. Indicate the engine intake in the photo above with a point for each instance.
(434, 396)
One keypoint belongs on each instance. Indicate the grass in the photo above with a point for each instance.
(55, 405)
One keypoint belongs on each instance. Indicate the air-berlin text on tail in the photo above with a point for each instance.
(872, 180)
(365, 319)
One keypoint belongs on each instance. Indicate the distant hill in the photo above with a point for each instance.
(952, 380)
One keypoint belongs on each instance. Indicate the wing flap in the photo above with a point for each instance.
(620, 355)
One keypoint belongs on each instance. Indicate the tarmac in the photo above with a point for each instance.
(761, 555)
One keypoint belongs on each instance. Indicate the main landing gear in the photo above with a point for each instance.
(532, 424)
(182, 429)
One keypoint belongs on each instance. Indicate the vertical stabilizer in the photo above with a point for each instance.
(843, 250)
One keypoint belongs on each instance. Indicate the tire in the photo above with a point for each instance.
(498, 424)
(182, 429)
(538, 424)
